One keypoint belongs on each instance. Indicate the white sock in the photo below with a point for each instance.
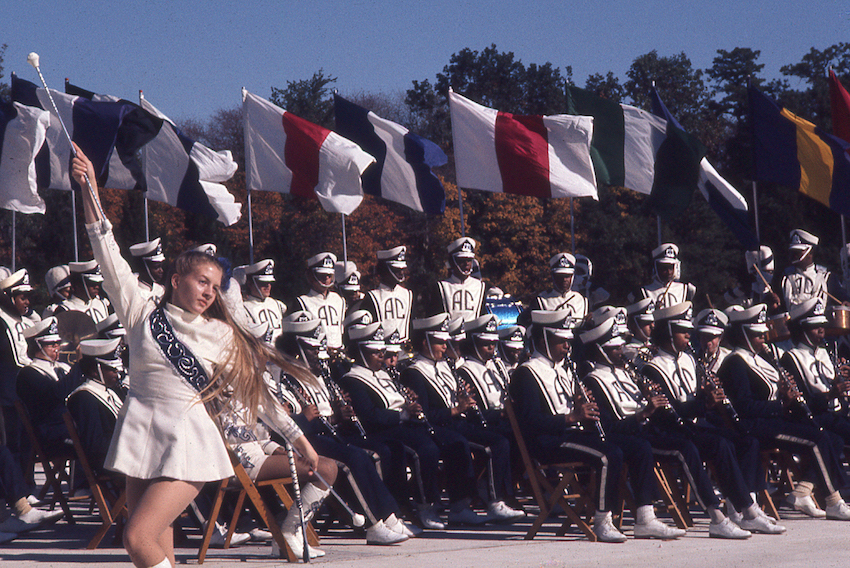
(599, 517)
(644, 514)
(716, 515)
(312, 497)
(164, 564)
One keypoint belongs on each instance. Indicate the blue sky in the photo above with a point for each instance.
(192, 57)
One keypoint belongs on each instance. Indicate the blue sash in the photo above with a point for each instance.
(177, 353)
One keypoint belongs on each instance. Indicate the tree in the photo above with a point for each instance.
(605, 86)
(309, 99)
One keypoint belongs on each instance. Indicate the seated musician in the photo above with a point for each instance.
(550, 414)
(770, 409)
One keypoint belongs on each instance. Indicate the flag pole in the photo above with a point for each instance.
(756, 211)
(145, 173)
(14, 219)
(250, 230)
(658, 224)
(74, 224)
(460, 207)
(572, 227)
(344, 240)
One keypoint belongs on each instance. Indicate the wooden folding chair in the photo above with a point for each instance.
(673, 494)
(54, 464)
(248, 488)
(546, 494)
(110, 498)
(787, 470)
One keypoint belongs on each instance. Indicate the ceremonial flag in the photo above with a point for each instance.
(840, 99)
(538, 156)
(402, 172)
(721, 196)
(635, 149)
(288, 154)
(794, 152)
(177, 170)
(22, 133)
(93, 125)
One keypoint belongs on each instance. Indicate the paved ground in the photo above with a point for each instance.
(808, 542)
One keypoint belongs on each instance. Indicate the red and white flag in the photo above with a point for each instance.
(538, 156)
(288, 154)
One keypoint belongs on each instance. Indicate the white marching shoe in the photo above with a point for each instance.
(838, 512)
(395, 524)
(429, 518)
(379, 533)
(499, 511)
(727, 529)
(805, 505)
(604, 529)
(761, 524)
(219, 536)
(654, 528)
(296, 542)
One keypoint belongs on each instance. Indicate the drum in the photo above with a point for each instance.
(506, 311)
(839, 321)
(777, 328)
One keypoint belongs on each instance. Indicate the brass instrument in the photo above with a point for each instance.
(649, 389)
(581, 391)
(338, 398)
(305, 400)
(796, 397)
(707, 380)
(409, 397)
(463, 390)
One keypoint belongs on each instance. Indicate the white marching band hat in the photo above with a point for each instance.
(811, 312)
(666, 253)
(435, 327)
(305, 325)
(513, 336)
(357, 318)
(485, 328)
(763, 258)
(110, 327)
(642, 311)
(17, 283)
(802, 240)
(207, 248)
(346, 276)
(559, 323)
(457, 331)
(262, 271)
(393, 340)
(463, 247)
(322, 263)
(753, 318)
(46, 331)
(105, 351)
(562, 263)
(602, 313)
(90, 270)
(712, 321)
(369, 336)
(149, 250)
(394, 257)
(607, 334)
(680, 315)
(57, 278)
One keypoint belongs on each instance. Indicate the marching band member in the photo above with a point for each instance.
(825, 386)
(804, 279)
(549, 413)
(699, 404)
(762, 397)
(711, 324)
(150, 266)
(596, 295)
(347, 280)
(512, 347)
(58, 280)
(391, 303)
(323, 302)
(259, 304)
(462, 294)
(665, 289)
(640, 321)
(85, 291)
(561, 296)
(183, 352)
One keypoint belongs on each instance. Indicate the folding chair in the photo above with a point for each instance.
(110, 498)
(54, 464)
(569, 486)
(248, 488)
(672, 494)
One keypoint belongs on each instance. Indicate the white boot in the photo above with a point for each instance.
(164, 564)
(648, 526)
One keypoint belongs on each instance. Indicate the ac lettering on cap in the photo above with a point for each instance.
(445, 325)
(565, 262)
(303, 317)
(466, 247)
(353, 280)
(378, 335)
(26, 279)
(394, 338)
(327, 262)
(517, 336)
(400, 256)
(365, 319)
(689, 314)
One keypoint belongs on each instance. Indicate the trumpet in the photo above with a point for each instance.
(580, 391)
(649, 389)
(794, 395)
(338, 397)
(708, 381)
(409, 397)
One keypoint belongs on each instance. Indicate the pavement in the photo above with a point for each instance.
(807, 542)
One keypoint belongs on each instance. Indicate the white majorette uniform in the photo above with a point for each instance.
(163, 429)
(330, 310)
(463, 298)
(392, 307)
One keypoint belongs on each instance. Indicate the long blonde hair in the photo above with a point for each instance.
(240, 375)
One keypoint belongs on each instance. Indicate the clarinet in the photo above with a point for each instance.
(844, 398)
(304, 400)
(409, 397)
(650, 389)
(582, 392)
(790, 384)
(708, 380)
(502, 373)
(463, 389)
(337, 396)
